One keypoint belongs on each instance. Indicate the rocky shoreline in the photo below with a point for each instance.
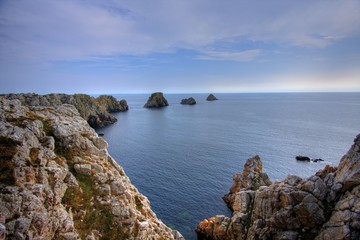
(59, 182)
(96, 111)
(323, 206)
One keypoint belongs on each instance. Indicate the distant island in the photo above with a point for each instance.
(211, 97)
(156, 100)
(188, 101)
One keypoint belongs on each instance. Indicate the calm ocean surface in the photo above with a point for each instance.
(183, 157)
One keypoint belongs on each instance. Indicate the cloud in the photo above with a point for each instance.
(243, 56)
(43, 30)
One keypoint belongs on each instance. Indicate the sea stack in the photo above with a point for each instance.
(188, 101)
(211, 97)
(156, 100)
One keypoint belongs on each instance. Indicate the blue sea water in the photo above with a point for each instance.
(183, 157)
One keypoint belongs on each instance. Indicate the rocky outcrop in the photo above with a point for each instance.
(188, 101)
(211, 97)
(111, 104)
(94, 110)
(59, 182)
(249, 180)
(323, 206)
(156, 100)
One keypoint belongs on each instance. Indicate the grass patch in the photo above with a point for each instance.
(47, 127)
(88, 214)
(139, 205)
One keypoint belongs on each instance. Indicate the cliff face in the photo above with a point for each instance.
(94, 110)
(57, 181)
(323, 206)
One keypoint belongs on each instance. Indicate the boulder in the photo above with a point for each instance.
(211, 97)
(188, 101)
(156, 100)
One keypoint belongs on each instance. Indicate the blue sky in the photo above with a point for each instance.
(140, 46)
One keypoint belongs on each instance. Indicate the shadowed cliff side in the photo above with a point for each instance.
(323, 206)
(59, 182)
(96, 111)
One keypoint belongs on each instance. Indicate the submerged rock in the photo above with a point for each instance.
(188, 101)
(211, 97)
(59, 182)
(302, 158)
(323, 206)
(156, 100)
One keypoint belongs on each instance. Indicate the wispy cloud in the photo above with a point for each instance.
(243, 56)
(42, 30)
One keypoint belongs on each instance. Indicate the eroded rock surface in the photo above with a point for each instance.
(323, 206)
(59, 182)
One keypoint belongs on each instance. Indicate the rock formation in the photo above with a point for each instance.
(57, 180)
(188, 101)
(111, 104)
(211, 97)
(156, 100)
(94, 110)
(323, 206)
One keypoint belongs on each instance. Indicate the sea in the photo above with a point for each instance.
(183, 157)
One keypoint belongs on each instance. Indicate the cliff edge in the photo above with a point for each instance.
(323, 206)
(57, 181)
(96, 111)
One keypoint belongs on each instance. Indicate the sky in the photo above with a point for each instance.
(179, 46)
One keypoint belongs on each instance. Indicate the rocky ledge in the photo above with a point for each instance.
(96, 111)
(323, 206)
(156, 100)
(57, 181)
(188, 101)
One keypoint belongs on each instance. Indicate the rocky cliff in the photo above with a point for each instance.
(57, 180)
(323, 206)
(94, 110)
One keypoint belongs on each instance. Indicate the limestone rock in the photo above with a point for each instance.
(156, 100)
(251, 178)
(323, 206)
(59, 182)
(211, 97)
(188, 101)
(94, 110)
